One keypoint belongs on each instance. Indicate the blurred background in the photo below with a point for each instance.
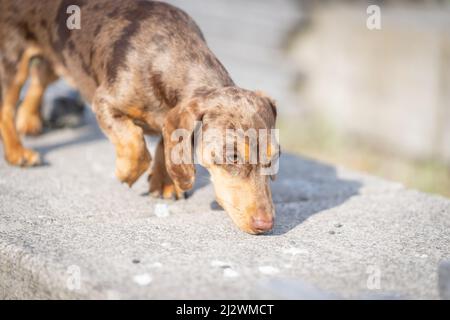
(374, 100)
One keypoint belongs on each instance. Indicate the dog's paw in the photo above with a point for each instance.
(23, 157)
(28, 124)
(166, 190)
(129, 169)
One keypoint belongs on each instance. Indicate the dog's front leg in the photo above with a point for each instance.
(161, 185)
(132, 156)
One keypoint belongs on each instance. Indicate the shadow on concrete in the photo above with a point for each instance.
(90, 132)
(303, 188)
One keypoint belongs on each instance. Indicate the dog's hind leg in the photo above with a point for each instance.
(132, 156)
(29, 120)
(13, 76)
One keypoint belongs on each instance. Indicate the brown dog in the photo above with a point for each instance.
(146, 69)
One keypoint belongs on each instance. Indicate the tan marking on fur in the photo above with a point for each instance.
(133, 158)
(29, 120)
(269, 151)
(135, 113)
(247, 152)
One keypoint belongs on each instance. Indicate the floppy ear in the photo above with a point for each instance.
(273, 107)
(270, 101)
(177, 133)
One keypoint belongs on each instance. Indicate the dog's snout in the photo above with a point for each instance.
(262, 223)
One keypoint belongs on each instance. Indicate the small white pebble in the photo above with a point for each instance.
(162, 210)
(143, 279)
(230, 273)
(218, 263)
(269, 270)
(295, 251)
(156, 265)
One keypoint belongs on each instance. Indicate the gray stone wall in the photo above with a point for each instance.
(390, 86)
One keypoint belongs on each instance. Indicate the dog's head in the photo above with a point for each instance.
(231, 133)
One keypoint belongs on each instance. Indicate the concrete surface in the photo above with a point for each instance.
(68, 229)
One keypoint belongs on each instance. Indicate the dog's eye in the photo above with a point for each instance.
(232, 158)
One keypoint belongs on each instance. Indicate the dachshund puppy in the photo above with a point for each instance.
(145, 68)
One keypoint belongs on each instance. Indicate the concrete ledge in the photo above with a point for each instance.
(444, 279)
(70, 230)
